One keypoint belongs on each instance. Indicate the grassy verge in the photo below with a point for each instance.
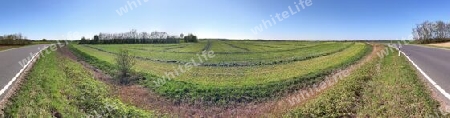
(435, 46)
(9, 47)
(387, 87)
(6, 47)
(58, 86)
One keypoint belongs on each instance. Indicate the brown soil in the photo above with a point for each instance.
(144, 98)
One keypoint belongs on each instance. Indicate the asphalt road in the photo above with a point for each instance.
(433, 61)
(9, 63)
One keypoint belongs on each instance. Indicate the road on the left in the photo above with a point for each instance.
(12, 64)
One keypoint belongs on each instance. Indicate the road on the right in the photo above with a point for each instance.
(434, 62)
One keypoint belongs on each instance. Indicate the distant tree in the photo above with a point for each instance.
(133, 37)
(432, 32)
(44, 40)
(96, 39)
(14, 39)
(439, 29)
(191, 38)
(83, 40)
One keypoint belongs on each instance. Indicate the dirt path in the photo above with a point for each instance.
(144, 98)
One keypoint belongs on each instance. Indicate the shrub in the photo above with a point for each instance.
(190, 38)
(124, 62)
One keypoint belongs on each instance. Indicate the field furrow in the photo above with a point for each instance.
(235, 84)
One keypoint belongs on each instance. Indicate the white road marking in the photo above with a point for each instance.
(20, 72)
(439, 88)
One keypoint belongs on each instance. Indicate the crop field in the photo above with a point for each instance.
(240, 72)
(228, 52)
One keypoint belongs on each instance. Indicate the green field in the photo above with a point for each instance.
(293, 65)
(230, 55)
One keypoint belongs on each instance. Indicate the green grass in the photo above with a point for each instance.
(230, 90)
(263, 46)
(60, 85)
(46, 42)
(223, 85)
(299, 53)
(225, 52)
(232, 76)
(387, 87)
(6, 47)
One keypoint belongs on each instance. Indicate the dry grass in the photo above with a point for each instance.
(446, 45)
(8, 47)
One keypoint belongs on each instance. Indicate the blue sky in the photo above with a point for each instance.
(323, 20)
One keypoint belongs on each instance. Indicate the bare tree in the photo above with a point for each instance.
(432, 32)
(440, 29)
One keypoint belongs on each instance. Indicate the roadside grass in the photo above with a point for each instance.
(8, 47)
(397, 91)
(387, 87)
(442, 45)
(45, 42)
(58, 86)
(435, 46)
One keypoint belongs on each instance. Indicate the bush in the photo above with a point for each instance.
(190, 38)
(124, 62)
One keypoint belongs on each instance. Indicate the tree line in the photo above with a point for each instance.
(432, 32)
(134, 37)
(14, 39)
